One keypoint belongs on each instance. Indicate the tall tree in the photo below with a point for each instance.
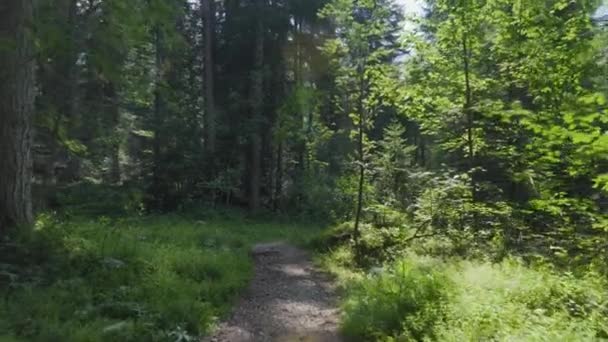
(17, 93)
(257, 107)
(364, 49)
(208, 15)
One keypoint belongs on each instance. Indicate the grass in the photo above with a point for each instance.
(418, 298)
(129, 278)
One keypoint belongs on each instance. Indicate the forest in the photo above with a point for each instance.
(443, 162)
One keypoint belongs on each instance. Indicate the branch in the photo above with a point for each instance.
(418, 231)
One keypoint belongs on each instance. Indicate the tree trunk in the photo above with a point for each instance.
(208, 15)
(468, 103)
(257, 102)
(72, 171)
(361, 160)
(469, 114)
(158, 190)
(115, 173)
(278, 196)
(17, 94)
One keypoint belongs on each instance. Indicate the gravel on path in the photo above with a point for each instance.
(287, 301)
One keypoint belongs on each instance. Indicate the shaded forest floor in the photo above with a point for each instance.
(100, 270)
(287, 300)
(131, 278)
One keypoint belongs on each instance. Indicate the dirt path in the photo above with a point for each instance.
(286, 301)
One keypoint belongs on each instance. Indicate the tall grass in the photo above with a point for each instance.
(152, 278)
(426, 299)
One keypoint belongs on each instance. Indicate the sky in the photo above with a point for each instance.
(602, 11)
(411, 7)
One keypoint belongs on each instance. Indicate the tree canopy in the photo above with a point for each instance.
(484, 123)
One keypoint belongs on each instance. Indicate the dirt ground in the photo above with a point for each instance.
(286, 301)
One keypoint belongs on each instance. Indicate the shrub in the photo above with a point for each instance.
(89, 199)
(406, 301)
(473, 228)
(336, 235)
(139, 278)
(376, 244)
(512, 302)
(454, 300)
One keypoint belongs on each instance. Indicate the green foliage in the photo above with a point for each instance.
(407, 301)
(510, 301)
(396, 180)
(377, 244)
(419, 299)
(489, 139)
(153, 278)
(446, 209)
(527, 128)
(95, 199)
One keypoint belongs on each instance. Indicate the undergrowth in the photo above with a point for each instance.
(128, 278)
(411, 297)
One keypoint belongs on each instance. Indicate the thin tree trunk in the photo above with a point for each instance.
(357, 232)
(422, 148)
(279, 178)
(361, 159)
(157, 186)
(299, 82)
(17, 94)
(114, 112)
(468, 101)
(257, 102)
(73, 167)
(208, 15)
(468, 112)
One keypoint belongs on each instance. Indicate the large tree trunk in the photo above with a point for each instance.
(208, 14)
(17, 93)
(257, 103)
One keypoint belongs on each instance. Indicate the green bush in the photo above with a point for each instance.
(376, 244)
(454, 300)
(513, 302)
(461, 225)
(121, 278)
(89, 199)
(406, 301)
(380, 245)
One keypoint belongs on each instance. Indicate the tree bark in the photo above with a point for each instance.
(468, 102)
(158, 189)
(361, 160)
(257, 103)
(278, 195)
(115, 174)
(299, 83)
(72, 171)
(208, 15)
(17, 94)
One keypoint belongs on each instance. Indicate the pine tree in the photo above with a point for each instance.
(363, 52)
(17, 92)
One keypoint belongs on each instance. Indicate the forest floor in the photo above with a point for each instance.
(287, 300)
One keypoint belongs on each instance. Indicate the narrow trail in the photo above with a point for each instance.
(286, 301)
